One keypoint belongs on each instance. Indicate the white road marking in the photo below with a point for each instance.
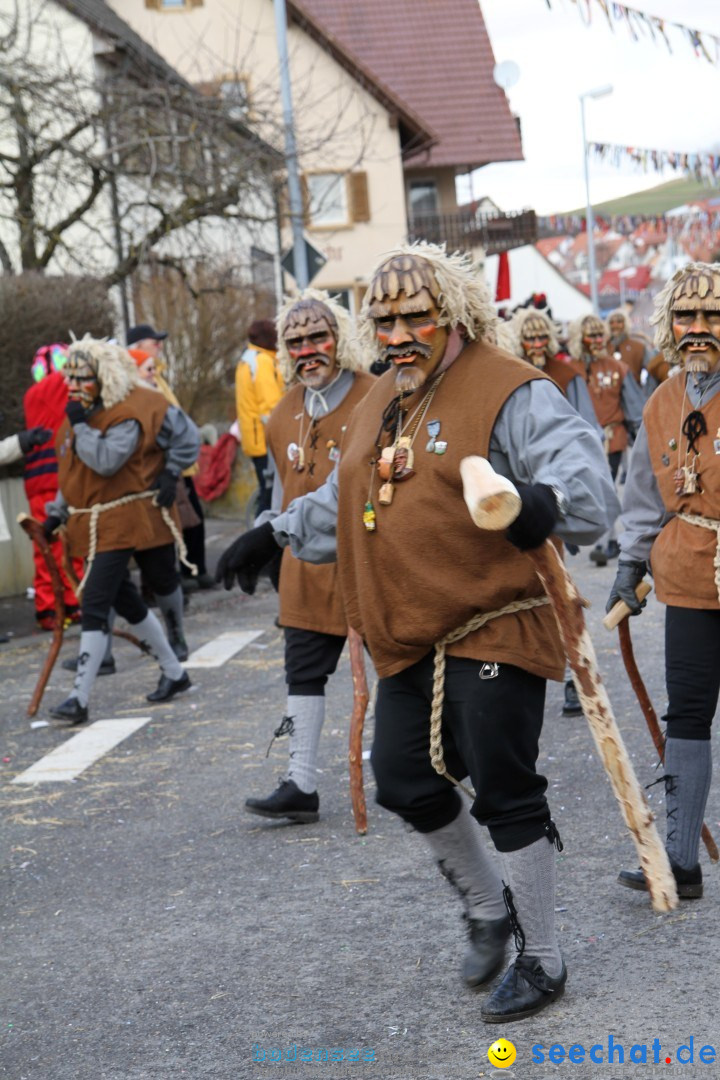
(71, 758)
(218, 651)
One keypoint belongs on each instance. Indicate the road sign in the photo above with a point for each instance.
(315, 260)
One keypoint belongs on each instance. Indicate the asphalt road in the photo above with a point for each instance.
(151, 928)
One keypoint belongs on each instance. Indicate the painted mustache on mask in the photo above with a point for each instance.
(415, 348)
(699, 339)
(316, 359)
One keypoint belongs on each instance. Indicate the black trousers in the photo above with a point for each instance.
(109, 584)
(614, 460)
(491, 729)
(194, 537)
(264, 492)
(692, 671)
(310, 659)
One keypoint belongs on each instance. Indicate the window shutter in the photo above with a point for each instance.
(154, 4)
(359, 197)
(196, 3)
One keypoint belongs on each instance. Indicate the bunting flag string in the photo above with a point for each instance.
(704, 166)
(639, 24)
(695, 224)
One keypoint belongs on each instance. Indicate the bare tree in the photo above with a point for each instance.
(107, 156)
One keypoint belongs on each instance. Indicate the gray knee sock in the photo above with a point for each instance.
(530, 873)
(90, 656)
(171, 607)
(468, 866)
(688, 772)
(307, 715)
(151, 634)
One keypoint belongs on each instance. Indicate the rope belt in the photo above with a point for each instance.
(714, 526)
(99, 508)
(436, 751)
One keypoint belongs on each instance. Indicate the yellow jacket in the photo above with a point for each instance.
(258, 388)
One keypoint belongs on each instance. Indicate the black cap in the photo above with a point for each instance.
(143, 331)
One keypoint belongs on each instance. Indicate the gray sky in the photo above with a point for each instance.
(660, 100)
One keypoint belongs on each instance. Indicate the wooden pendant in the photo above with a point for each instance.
(385, 494)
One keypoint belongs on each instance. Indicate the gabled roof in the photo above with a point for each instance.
(436, 56)
(416, 134)
(105, 22)
(101, 18)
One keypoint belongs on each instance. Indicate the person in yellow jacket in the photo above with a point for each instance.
(259, 386)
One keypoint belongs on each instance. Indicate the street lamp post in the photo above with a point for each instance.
(601, 91)
(301, 273)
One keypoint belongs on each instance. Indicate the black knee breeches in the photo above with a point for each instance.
(491, 728)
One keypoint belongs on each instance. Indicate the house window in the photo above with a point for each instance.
(328, 200)
(234, 93)
(423, 197)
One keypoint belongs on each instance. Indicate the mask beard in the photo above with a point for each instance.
(409, 378)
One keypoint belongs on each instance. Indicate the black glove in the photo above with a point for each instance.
(272, 569)
(246, 557)
(33, 437)
(75, 412)
(50, 525)
(537, 518)
(628, 577)
(166, 486)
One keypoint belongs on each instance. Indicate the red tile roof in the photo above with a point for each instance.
(436, 56)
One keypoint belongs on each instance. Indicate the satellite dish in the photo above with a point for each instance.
(506, 74)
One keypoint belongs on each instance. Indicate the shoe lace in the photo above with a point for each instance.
(518, 932)
(285, 727)
(669, 780)
(551, 831)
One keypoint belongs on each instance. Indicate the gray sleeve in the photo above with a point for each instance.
(309, 524)
(105, 452)
(57, 507)
(180, 439)
(10, 450)
(272, 477)
(644, 513)
(632, 398)
(539, 438)
(579, 397)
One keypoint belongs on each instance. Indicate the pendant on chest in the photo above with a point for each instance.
(686, 480)
(296, 456)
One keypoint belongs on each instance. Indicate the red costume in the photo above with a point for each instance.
(44, 405)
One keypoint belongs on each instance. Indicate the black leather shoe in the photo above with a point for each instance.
(486, 953)
(106, 668)
(571, 705)
(689, 882)
(168, 688)
(288, 801)
(71, 711)
(206, 581)
(598, 555)
(524, 991)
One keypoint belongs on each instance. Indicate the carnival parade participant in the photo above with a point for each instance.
(632, 351)
(119, 442)
(44, 405)
(534, 339)
(259, 385)
(413, 568)
(617, 398)
(671, 517)
(321, 361)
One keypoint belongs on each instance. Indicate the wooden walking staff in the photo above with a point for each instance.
(357, 722)
(494, 504)
(618, 616)
(34, 530)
